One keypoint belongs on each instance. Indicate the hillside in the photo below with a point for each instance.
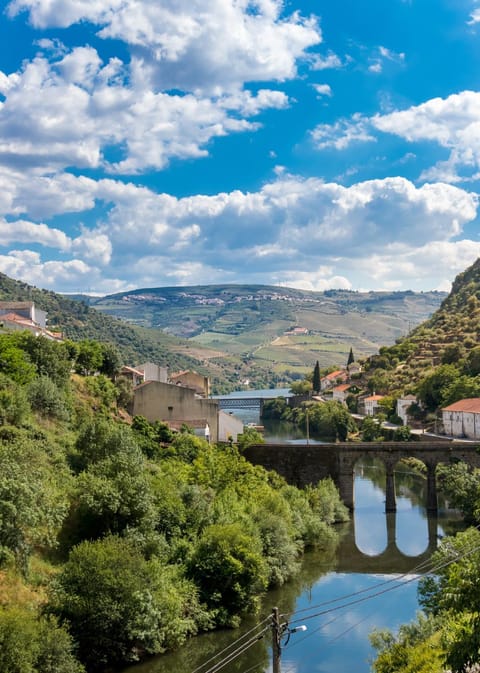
(276, 329)
(79, 321)
(450, 336)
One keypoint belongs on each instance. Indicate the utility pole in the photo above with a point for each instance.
(280, 631)
(276, 649)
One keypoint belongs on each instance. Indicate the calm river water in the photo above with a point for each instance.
(369, 581)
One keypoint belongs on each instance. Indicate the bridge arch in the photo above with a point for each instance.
(303, 464)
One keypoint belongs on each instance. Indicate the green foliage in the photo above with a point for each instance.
(431, 389)
(32, 506)
(119, 606)
(103, 389)
(371, 429)
(228, 567)
(50, 358)
(46, 398)
(316, 378)
(460, 388)
(14, 362)
(89, 357)
(461, 485)
(275, 409)
(416, 648)
(111, 360)
(472, 362)
(34, 645)
(14, 407)
(402, 434)
(249, 437)
(328, 419)
(301, 387)
(454, 593)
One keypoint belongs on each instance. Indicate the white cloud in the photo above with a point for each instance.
(474, 17)
(330, 61)
(290, 229)
(22, 231)
(452, 122)
(192, 44)
(77, 111)
(343, 133)
(323, 90)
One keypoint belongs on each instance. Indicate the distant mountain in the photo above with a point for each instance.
(272, 329)
(79, 321)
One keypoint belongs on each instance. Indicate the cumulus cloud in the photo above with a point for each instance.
(191, 44)
(308, 228)
(78, 112)
(452, 123)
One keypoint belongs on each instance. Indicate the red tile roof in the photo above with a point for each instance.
(472, 405)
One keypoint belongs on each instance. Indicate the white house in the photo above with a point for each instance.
(340, 392)
(462, 418)
(402, 405)
(371, 404)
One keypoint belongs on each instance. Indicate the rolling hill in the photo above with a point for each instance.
(279, 330)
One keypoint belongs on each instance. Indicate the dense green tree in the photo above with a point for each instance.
(371, 429)
(351, 357)
(32, 506)
(15, 362)
(50, 358)
(301, 387)
(329, 420)
(119, 606)
(432, 387)
(248, 437)
(14, 407)
(47, 398)
(461, 485)
(228, 567)
(111, 360)
(30, 644)
(89, 357)
(274, 409)
(316, 378)
(453, 354)
(472, 362)
(454, 592)
(460, 388)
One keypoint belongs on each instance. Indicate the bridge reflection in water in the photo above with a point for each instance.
(391, 559)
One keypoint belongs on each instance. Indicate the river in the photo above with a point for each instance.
(369, 581)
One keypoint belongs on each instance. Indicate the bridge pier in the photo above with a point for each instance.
(432, 499)
(390, 502)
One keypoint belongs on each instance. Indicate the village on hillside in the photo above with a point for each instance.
(184, 398)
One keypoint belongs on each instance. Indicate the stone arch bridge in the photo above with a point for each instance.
(303, 464)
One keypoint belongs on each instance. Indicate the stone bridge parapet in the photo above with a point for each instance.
(302, 464)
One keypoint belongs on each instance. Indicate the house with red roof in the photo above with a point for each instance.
(330, 380)
(340, 392)
(462, 418)
(371, 404)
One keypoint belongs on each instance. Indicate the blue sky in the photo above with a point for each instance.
(313, 144)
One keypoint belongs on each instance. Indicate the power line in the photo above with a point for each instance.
(386, 589)
(238, 642)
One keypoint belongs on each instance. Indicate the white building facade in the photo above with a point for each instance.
(462, 418)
